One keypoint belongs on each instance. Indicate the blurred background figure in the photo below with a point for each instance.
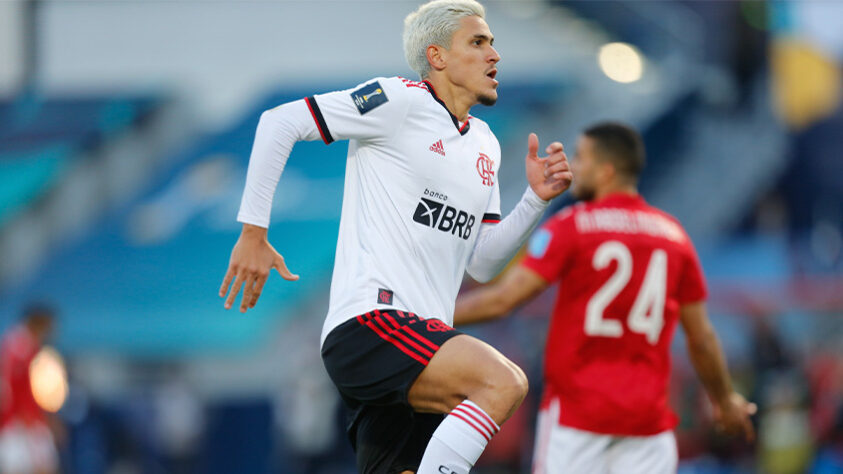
(125, 130)
(27, 431)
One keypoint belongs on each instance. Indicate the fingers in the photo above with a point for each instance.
(235, 289)
(248, 288)
(226, 281)
(256, 291)
(555, 147)
(556, 169)
(533, 146)
(748, 429)
(283, 271)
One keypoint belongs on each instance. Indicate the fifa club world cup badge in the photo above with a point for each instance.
(484, 168)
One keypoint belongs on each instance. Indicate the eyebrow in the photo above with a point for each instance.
(490, 39)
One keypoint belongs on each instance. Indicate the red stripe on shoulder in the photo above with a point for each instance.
(409, 83)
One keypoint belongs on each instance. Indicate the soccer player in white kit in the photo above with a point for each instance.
(421, 206)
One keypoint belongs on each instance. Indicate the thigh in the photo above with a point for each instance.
(466, 367)
(656, 454)
(568, 450)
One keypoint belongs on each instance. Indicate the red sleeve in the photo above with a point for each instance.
(692, 288)
(550, 247)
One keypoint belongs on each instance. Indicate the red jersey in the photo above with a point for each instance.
(624, 269)
(17, 403)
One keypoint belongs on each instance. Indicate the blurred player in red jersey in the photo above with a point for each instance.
(26, 441)
(627, 273)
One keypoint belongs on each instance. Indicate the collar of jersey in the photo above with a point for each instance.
(465, 126)
(619, 198)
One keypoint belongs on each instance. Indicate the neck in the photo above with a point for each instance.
(457, 100)
(616, 188)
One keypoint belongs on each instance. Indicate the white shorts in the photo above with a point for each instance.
(562, 450)
(26, 449)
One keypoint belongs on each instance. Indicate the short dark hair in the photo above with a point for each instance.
(621, 145)
(38, 310)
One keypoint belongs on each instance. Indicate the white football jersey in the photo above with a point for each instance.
(418, 185)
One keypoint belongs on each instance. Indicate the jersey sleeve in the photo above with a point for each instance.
(692, 287)
(372, 110)
(492, 214)
(550, 247)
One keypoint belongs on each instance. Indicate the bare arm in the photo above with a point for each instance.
(731, 410)
(516, 286)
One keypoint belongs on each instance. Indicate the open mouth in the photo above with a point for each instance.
(491, 74)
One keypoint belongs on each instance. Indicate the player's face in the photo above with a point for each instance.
(472, 59)
(584, 169)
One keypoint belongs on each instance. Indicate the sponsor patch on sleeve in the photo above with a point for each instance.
(539, 243)
(369, 97)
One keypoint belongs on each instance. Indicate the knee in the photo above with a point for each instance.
(508, 384)
(517, 384)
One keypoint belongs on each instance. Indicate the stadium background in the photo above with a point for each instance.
(125, 129)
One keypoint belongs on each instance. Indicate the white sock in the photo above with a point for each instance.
(458, 441)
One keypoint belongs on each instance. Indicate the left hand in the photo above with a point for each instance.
(732, 416)
(549, 176)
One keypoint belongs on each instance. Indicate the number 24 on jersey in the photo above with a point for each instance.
(647, 313)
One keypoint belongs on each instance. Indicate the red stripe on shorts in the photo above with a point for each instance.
(391, 340)
(395, 332)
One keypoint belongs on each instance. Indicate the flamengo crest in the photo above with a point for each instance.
(484, 168)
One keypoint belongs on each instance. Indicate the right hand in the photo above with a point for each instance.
(732, 416)
(251, 261)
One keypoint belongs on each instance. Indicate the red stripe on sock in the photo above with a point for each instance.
(490, 422)
(479, 422)
(486, 436)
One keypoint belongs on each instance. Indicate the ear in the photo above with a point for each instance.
(606, 171)
(436, 57)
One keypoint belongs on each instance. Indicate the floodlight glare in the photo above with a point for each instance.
(621, 62)
(48, 379)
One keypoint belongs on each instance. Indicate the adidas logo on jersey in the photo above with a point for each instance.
(437, 215)
(438, 148)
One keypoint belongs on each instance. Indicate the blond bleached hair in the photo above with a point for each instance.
(434, 23)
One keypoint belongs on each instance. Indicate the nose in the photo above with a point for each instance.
(494, 57)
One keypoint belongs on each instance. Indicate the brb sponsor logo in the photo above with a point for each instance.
(437, 215)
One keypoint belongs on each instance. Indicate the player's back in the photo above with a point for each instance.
(624, 269)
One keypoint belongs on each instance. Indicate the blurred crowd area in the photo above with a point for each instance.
(123, 155)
